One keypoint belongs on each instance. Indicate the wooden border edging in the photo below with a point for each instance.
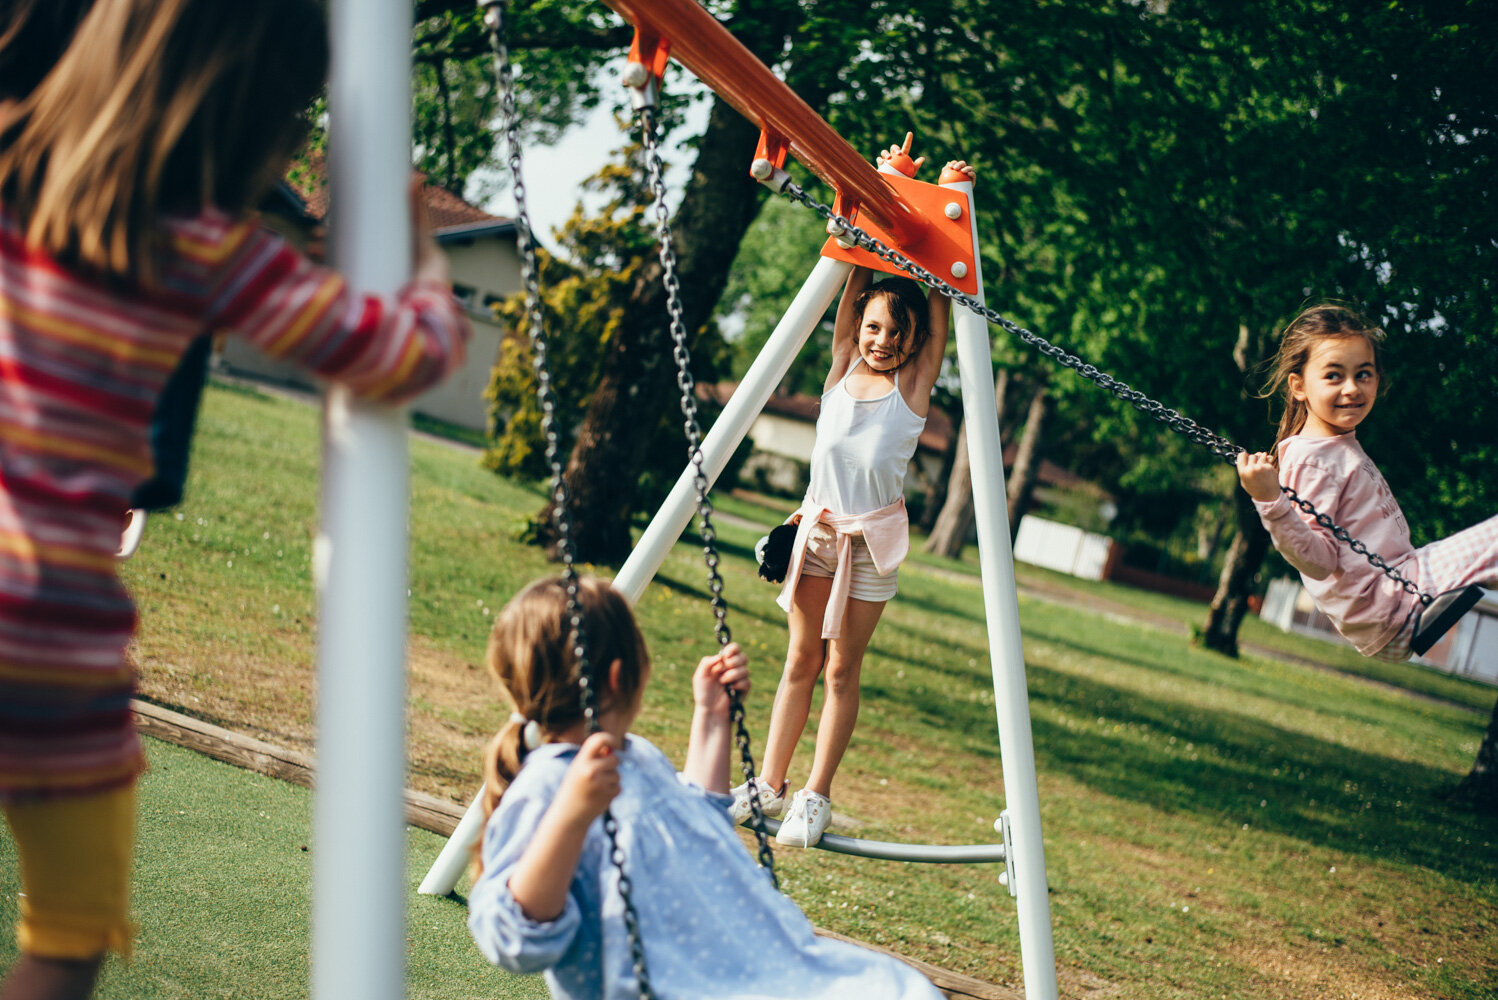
(438, 816)
(422, 810)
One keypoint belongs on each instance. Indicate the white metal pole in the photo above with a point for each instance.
(1001, 606)
(806, 310)
(358, 927)
(452, 861)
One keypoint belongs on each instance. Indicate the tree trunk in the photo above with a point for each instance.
(1480, 786)
(619, 433)
(936, 490)
(1236, 584)
(1028, 456)
(950, 531)
(1246, 553)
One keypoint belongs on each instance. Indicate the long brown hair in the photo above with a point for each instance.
(532, 658)
(159, 106)
(1315, 324)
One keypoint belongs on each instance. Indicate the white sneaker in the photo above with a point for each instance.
(135, 527)
(771, 800)
(807, 819)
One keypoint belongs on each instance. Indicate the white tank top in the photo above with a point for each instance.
(863, 448)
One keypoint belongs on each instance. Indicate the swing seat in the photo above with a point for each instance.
(1437, 617)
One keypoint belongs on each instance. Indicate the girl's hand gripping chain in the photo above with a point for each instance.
(1258, 475)
(592, 781)
(715, 675)
(707, 750)
(540, 881)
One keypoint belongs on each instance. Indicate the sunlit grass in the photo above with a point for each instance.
(1214, 827)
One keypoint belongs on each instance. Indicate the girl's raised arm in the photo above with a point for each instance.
(845, 327)
(938, 311)
(711, 735)
(939, 323)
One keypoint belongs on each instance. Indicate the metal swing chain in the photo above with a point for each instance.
(693, 428)
(1183, 425)
(560, 499)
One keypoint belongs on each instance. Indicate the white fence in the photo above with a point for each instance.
(1062, 547)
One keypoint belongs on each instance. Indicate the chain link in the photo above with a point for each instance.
(693, 428)
(1183, 425)
(560, 499)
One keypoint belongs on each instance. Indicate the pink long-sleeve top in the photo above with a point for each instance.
(82, 364)
(1341, 481)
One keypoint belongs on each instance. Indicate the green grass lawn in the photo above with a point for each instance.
(1214, 828)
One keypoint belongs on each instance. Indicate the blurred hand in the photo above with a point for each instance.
(957, 170)
(428, 261)
(899, 157)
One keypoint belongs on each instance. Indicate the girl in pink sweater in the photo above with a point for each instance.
(1330, 366)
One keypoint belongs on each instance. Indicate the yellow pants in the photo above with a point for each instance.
(75, 874)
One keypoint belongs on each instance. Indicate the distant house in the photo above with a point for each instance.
(485, 267)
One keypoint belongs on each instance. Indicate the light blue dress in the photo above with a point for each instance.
(711, 922)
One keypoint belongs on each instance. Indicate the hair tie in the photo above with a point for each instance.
(530, 733)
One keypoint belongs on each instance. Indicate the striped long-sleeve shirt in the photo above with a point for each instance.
(82, 363)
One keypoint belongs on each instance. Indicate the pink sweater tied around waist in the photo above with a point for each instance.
(886, 531)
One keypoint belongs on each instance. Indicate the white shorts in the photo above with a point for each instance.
(821, 560)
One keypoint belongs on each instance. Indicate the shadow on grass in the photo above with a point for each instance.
(701, 595)
(1180, 758)
(1245, 676)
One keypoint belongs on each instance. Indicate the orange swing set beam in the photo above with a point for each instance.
(787, 123)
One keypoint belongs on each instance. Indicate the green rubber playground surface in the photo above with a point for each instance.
(223, 896)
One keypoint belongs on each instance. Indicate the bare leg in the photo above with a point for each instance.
(803, 664)
(840, 705)
(33, 978)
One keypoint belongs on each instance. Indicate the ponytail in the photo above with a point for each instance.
(531, 655)
(503, 756)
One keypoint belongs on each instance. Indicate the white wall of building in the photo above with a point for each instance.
(490, 267)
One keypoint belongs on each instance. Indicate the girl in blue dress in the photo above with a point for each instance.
(547, 898)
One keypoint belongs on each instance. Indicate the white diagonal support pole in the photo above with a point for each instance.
(731, 427)
(359, 873)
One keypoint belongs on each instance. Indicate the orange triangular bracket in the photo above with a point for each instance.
(648, 55)
(946, 247)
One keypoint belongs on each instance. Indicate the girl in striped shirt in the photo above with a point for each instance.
(126, 180)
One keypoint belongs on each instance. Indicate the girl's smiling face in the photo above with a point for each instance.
(1338, 386)
(881, 342)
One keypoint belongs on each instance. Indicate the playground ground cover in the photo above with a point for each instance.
(223, 896)
(1214, 827)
